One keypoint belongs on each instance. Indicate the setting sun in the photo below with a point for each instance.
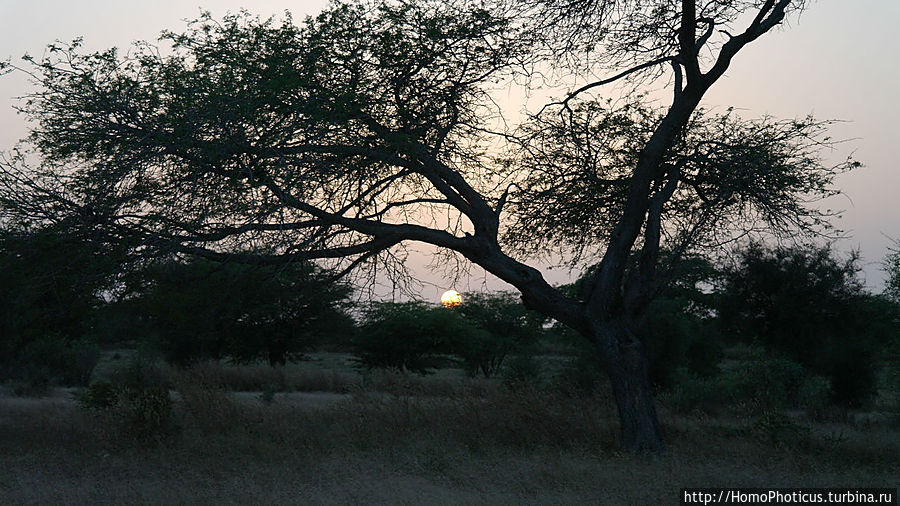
(451, 298)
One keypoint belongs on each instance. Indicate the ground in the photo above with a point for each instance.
(397, 439)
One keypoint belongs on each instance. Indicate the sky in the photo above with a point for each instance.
(837, 61)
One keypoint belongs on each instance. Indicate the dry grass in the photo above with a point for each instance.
(301, 377)
(475, 444)
(327, 372)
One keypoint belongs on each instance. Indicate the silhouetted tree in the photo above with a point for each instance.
(51, 285)
(810, 306)
(367, 126)
(892, 268)
(200, 309)
(509, 328)
(677, 330)
(409, 336)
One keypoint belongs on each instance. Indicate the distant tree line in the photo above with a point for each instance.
(62, 300)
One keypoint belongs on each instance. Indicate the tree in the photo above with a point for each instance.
(677, 329)
(810, 306)
(50, 289)
(409, 336)
(370, 126)
(201, 309)
(507, 328)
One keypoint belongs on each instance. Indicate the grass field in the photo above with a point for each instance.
(396, 439)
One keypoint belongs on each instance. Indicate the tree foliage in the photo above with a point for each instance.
(51, 284)
(726, 176)
(892, 267)
(507, 328)
(200, 310)
(809, 305)
(410, 336)
(258, 130)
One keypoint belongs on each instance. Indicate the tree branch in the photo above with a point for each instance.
(572, 95)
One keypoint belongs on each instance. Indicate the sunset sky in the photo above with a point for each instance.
(839, 60)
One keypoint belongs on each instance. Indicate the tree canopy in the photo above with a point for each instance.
(207, 310)
(809, 305)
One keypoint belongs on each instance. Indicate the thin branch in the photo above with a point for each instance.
(603, 82)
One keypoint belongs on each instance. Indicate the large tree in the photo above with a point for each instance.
(371, 126)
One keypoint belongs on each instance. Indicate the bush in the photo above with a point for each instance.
(766, 383)
(704, 353)
(206, 310)
(678, 333)
(756, 386)
(99, 395)
(135, 405)
(522, 370)
(582, 375)
(205, 399)
(815, 396)
(666, 336)
(409, 336)
(501, 326)
(690, 394)
(807, 304)
(775, 427)
(759, 386)
(51, 361)
(145, 414)
(852, 374)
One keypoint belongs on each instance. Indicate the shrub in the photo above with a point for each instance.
(51, 361)
(99, 395)
(409, 336)
(145, 414)
(34, 383)
(582, 374)
(852, 374)
(50, 282)
(776, 428)
(501, 326)
(522, 370)
(807, 304)
(756, 386)
(704, 353)
(666, 335)
(892, 268)
(815, 396)
(207, 310)
(205, 399)
(691, 394)
(135, 405)
(766, 383)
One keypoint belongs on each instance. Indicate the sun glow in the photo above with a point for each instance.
(451, 298)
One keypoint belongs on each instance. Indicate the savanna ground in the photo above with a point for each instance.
(319, 432)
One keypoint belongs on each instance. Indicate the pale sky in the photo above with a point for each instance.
(840, 61)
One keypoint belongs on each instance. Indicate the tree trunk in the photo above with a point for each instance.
(626, 367)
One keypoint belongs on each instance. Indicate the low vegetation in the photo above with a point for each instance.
(385, 437)
(776, 370)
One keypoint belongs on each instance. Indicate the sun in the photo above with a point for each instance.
(451, 298)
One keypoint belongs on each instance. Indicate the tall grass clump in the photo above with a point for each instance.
(134, 406)
(204, 399)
